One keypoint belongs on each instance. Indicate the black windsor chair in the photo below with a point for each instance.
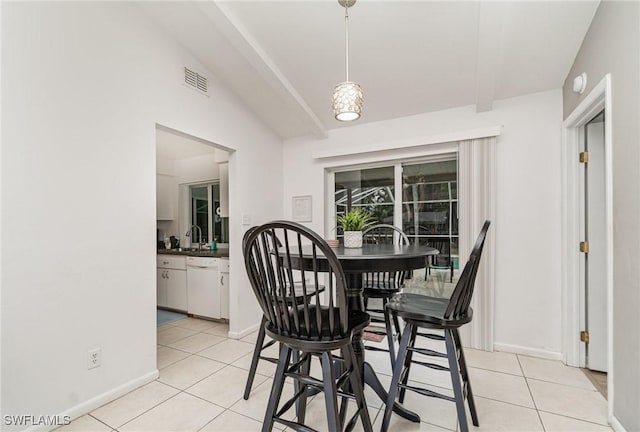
(383, 285)
(448, 315)
(296, 295)
(314, 327)
(443, 260)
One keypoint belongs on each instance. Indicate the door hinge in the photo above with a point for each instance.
(584, 247)
(584, 336)
(584, 157)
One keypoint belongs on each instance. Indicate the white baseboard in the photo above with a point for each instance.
(532, 352)
(243, 333)
(616, 426)
(96, 402)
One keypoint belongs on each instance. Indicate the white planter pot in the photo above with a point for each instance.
(353, 239)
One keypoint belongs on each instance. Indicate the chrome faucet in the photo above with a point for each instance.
(199, 235)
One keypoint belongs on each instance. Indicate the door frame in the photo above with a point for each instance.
(597, 100)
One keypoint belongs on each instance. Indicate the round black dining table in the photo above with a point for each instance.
(371, 258)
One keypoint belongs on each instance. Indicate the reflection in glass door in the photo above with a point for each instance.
(205, 203)
(430, 202)
(371, 189)
(429, 206)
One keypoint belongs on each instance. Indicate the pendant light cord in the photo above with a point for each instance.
(346, 39)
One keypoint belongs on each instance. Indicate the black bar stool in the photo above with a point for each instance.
(316, 326)
(296, 295)
(424, 312)
(383, 285)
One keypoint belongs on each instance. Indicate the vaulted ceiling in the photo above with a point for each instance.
(283, 58)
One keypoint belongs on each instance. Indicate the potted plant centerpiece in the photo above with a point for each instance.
(352, 223)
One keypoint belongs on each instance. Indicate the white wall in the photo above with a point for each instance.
(83, 86)
(528, 193)
(612, 45)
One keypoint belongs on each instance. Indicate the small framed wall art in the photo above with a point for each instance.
(301, 208)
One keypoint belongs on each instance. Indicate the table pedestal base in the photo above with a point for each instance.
(371, 379)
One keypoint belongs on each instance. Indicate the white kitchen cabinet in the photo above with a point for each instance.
(172, 282)
(162, 286)
(165, 193)
(223, 169)
(223, 268)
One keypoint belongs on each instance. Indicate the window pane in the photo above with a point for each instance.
(369, 189)
(199, 212)
(430, 207)
(425, 191)
(220, 224)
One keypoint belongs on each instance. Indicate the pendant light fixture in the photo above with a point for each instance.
(347, 96)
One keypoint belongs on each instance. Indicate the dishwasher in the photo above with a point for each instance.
(203, 287)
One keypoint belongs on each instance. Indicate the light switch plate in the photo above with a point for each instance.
(246, 219)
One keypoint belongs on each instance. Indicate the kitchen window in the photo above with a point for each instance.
(205, 212)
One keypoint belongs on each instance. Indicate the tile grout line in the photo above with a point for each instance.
(531, 393)
(563, 385)
(145, 411)
(98, 420)
(575, 418)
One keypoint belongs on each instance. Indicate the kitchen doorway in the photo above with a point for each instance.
(192, 220)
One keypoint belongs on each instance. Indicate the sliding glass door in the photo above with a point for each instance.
(428, 207)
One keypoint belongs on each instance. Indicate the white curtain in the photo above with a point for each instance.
(477, 202)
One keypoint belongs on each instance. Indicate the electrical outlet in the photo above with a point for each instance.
(95, 358)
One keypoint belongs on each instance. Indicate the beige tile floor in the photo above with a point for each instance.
(202, 376)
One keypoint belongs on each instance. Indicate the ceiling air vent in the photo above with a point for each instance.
(195, 80)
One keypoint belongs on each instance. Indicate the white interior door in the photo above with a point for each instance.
(595, 314)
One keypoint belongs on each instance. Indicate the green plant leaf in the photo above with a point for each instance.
(355, 220)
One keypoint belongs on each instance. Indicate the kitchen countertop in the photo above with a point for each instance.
(220, 253)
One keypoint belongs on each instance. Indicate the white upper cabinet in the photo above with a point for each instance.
(224, 189)
(165, 195)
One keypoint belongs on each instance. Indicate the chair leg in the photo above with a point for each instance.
(390, 339)
(387, 326)
(301, 402)
(395, 379)
(455, 380)
(407, 362)
(356, 386)
(344, 406)
(465, 378)
(256, 357)
(346, 388)
(387, 315)
(276, 388)
(330, 392)
(426, 269)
